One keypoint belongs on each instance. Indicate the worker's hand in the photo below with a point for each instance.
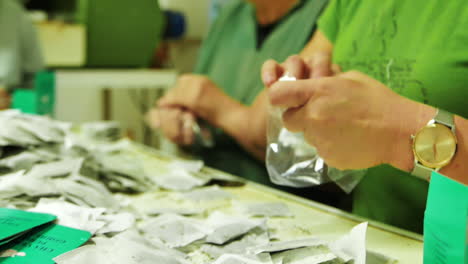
(354, 121)
(197, 94)
(319, 65)
(5, 99)
(175, 123)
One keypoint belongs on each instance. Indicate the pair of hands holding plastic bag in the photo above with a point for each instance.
(353, 121)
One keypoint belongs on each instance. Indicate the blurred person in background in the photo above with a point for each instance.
(20, 53)
(215, 8)
(226, 89)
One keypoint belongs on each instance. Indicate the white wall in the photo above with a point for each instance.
(79, 95)
(196, 12)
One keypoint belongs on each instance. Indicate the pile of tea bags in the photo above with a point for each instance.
(43, 151)
(88, 182)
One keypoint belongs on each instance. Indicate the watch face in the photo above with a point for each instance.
(434, 146)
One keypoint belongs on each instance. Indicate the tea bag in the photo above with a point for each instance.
(226, 228)
(102, 130)
(122, 162)
(56, 169)
(207, 194)
(180, 180)
(16, 136)
(45, 129)
(193, 166)
(240, 259)
(352, 246)
(125, 248)
(72, 215)
(279, 246)
(116, 223)
(181, 175)
(22, 161)
(256, 237)
(185, 211)
(18, 183)
(307, 255)
(268, 209)
(86, 192)
(175, 231)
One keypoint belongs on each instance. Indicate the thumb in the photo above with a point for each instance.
(292, 94)
(152, 119)
(320, 64)
(271, 72)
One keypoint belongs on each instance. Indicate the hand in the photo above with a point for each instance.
(319, 65)
(354, 121)
(5, 99)
(175, 123)
(195, 93)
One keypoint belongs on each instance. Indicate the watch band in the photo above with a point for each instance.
(445, 118)
(422, 171)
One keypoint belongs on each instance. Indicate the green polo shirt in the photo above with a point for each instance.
(418, 48)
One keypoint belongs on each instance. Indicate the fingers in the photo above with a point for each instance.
(178, 98)
(321, 65)
(170, 99)
(152, 119)
(175, 123)
(336, 69)
(179, 94)
(171, 124)
(293, 119)
(296, 67)
(293, 94)
(188, 121)
(271, 72)
(317, 66)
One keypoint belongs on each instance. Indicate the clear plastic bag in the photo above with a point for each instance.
(291, 161)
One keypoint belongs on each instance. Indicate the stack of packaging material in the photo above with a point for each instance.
(49, 167)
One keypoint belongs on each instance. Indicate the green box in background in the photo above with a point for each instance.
(121, 33)
(39, 100)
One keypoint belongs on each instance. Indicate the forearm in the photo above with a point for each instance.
(318, 44)
(404, 157)
(246, 124)
(237, 125)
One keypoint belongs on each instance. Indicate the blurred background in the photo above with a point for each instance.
(105, 59)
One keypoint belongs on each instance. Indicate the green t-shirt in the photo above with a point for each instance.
(419, 48)
(229, 57)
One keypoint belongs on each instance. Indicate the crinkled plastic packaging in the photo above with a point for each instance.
(291, 161)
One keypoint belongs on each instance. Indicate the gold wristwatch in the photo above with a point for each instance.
(435, 145)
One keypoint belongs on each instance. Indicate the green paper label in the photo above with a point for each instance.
(446, 222)
(42, 245)
(14, 222)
